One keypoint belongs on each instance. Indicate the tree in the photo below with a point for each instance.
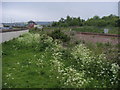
(96, 17)
(95, 21)
(118, 23)
(62, 20)
(54, 24)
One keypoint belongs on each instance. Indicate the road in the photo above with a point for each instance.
(6, 36)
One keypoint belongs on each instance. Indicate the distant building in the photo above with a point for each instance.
(38, 26)
(8, 24)
(19, 24)
(1, 25)
(31, 24)
(44, 23)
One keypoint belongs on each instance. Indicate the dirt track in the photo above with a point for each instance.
(97, 38)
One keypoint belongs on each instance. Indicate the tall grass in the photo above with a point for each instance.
(39, 61)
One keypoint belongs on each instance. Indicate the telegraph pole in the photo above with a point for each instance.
(119, 19)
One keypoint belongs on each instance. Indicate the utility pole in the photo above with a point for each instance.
(119, 8)
(11, 23)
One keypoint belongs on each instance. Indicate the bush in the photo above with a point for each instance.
(86, 70)
(89, 29)
(58, 34)
(46, 42)
(38, 42)
(35, 30)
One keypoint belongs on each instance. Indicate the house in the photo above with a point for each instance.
(31, 24)
(38, 26)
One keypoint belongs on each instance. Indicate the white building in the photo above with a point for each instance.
(38, 26)
(1, 25)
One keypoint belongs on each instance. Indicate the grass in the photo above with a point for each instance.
(36, 60)
(93, 29)
(21, 64)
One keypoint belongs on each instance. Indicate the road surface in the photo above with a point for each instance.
(6, 36)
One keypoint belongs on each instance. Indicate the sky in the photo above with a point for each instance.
(53, 11)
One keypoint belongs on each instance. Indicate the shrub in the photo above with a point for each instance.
(37, 41)
(86, 69)
(58, 34)
(28, 39)
(88, 29)
(45, 42)
(35, 30)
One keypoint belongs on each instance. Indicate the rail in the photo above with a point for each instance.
(100, 34)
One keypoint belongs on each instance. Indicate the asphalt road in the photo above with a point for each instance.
(6, 36)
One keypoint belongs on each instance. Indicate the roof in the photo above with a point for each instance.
(31, 22)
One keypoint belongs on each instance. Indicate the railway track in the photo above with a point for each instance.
(99, 34)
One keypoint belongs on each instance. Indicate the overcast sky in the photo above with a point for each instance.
(53, 11)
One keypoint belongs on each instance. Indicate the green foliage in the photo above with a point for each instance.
(118, 23)
(102, 22)
(96, 17)
(85, 69)
(39, 61)
(95, 21)
(69, 21)
(35, 30)
(89, 29)
(5, 25)
(58, 34)
(94, 29)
